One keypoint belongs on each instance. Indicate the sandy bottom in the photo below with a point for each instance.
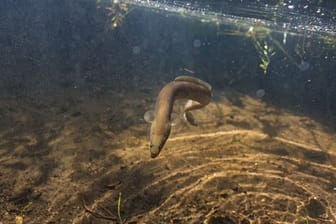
(69, 158)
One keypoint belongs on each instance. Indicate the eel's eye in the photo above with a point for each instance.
(151, 145)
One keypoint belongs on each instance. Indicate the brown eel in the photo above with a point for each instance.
(183, 87)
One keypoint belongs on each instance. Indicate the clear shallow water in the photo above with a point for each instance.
(78, 76)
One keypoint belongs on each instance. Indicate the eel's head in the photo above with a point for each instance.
(158, 138)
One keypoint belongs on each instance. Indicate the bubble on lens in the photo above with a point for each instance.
(197, 43)
(136, 50)
(149, 116)
(303, 66)
(260, 93)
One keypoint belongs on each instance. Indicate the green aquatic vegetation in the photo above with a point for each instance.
(110, 216)
(121, 221)
(117, 11)
(265, 51)
(261, 42)
(266, 57)
(329, 41)
(258, 33)
(264, 43)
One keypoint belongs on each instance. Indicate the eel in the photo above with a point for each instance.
(198, 93)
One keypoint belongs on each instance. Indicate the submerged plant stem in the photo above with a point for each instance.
(119, 208)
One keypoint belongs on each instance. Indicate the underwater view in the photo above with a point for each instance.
(162, 111)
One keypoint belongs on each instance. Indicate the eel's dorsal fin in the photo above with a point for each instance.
(194, 80)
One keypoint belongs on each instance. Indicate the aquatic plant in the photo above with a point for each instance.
(260, 37)
(110, 216)
(121, 221)
(329, 40)
(265, 50)
(116, 11)
(266, 46)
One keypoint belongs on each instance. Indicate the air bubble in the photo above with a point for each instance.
(149, 116)
(136, 50)
(260, 93)
(197, 43)
(303, 66)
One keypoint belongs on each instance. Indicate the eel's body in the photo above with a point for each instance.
(183, 87)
